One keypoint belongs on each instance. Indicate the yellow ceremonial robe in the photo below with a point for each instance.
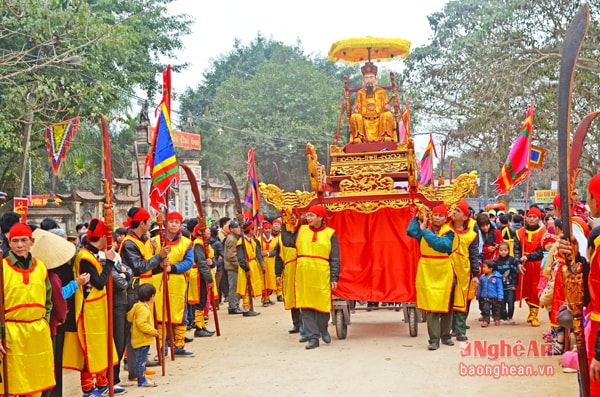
(196, 278)
(256, 273)
(462, 266)
(146, 250)
(270, 281)
(178, 283)
(313, 274)
(88, 347)
(434, 278)
(288, 277)
(30, 360)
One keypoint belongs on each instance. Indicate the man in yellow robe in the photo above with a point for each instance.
(87, 349)
(27, 303)
(371, 119)
(317, 272)
(435, 277)
(268, 244)
(466, 263)
(251, 268)
(178, 264)
(137, 252)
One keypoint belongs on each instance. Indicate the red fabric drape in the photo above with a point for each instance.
(378, 260)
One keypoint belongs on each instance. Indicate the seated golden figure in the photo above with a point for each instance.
(371, 119)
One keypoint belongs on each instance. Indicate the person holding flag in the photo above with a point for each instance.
(250, 263)
(180, 261)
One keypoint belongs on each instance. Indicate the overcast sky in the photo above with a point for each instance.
(315, 23)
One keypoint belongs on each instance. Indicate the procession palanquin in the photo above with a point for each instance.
(371, 192)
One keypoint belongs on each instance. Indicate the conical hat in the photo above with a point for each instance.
(51, 249)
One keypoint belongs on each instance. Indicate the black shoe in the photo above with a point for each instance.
(250, 314)
(266, 304)
(433, 346)
(189, 327)
(235, 311)
(326, 337)
(280, 298)
(447, 342)
(312, 344)
(152, 363)
(303, 339)
(202, 333)
(294, 330)
(188, 340)
(468, 327)
(461, 338)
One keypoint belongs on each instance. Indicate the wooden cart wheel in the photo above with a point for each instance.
(412, 321)
(341, 328)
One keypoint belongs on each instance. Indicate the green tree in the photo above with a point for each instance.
(487, 61)
(62, 59)
(271, 97)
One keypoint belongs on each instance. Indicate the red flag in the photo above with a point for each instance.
(516, 167)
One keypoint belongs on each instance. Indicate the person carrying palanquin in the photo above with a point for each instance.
(435, 277)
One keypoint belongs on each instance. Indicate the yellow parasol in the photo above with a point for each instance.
(364, 49)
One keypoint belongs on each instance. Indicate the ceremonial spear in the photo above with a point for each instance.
(572, 272)
(240, 218)
(202, 226)
(109, 221)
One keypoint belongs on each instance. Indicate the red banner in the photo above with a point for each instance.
(184, 140)
(40, 200)
(21, 204)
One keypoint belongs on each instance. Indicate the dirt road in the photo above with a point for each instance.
(255, 356)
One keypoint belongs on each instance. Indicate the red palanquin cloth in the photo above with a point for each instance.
(378, 261)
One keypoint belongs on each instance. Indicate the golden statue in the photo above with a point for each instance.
(371, 119)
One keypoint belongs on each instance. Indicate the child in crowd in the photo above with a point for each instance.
(142, 330)
(508, 267)
(490, 293)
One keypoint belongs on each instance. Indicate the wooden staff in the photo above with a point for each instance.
(3, 328)
(109, 220)
(165, 282)
(202, 226)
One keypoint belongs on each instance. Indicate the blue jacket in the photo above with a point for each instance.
(492, 287)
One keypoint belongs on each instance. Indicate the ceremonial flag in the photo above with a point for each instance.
(536, 157)
(161, 161)
(59, 138)
(252, 202)
(402, 135)
(516, 167)
(427, 163)
(406, 119)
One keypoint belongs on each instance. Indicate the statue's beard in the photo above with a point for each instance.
(369, 88)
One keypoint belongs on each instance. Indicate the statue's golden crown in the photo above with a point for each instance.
(369, 68)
